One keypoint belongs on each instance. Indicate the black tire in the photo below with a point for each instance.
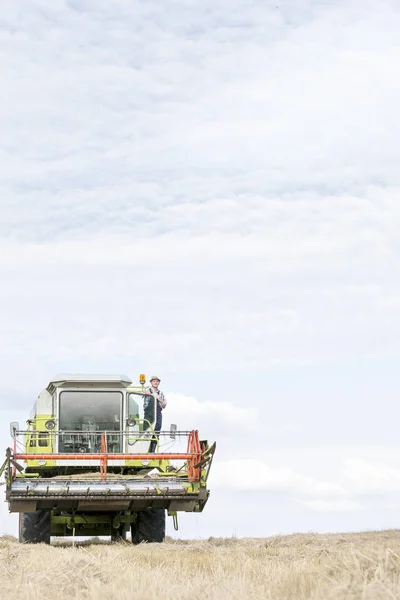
(149, 526)
(34, 528)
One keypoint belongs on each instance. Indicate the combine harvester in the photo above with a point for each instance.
(83, 467)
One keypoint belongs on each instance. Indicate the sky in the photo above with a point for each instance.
(209, 191)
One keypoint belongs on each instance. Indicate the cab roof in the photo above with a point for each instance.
(77, 378)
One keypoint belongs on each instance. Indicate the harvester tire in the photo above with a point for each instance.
(149, 526)
(35, 527)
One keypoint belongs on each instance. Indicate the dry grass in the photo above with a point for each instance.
(317, 567)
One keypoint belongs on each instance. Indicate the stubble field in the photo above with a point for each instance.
(305, 566)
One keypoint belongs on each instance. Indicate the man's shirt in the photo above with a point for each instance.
(159, 409)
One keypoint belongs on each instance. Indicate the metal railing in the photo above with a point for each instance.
(194, 458)
(89, 441)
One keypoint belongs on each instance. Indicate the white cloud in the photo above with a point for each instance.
(184, 406)
(255, 475)
(330, 489)
(252, 474)
(357, 487)
(364, 477)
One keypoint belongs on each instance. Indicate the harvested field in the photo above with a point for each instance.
(363, 566)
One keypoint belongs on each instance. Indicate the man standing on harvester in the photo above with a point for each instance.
(161, 403)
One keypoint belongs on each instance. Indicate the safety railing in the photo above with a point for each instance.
(89, 441)
(194, 458)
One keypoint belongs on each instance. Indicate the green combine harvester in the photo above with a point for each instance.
(83, 466)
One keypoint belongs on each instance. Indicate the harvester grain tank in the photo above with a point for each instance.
(83, 465)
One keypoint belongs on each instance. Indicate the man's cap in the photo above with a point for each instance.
(154, 377)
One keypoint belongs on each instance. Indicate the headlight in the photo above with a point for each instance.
(50, 424)
(131, 422)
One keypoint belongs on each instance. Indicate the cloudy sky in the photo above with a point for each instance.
(210, 191)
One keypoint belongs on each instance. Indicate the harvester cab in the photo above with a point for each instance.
(85, 464)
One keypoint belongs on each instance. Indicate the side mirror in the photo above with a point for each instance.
(14, 426)
(172, 431)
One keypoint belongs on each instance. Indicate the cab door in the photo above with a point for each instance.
(140, 422)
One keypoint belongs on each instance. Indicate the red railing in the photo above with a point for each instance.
(193, 456)
(193, 448)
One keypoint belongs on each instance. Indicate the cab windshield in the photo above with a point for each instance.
(91, 413)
